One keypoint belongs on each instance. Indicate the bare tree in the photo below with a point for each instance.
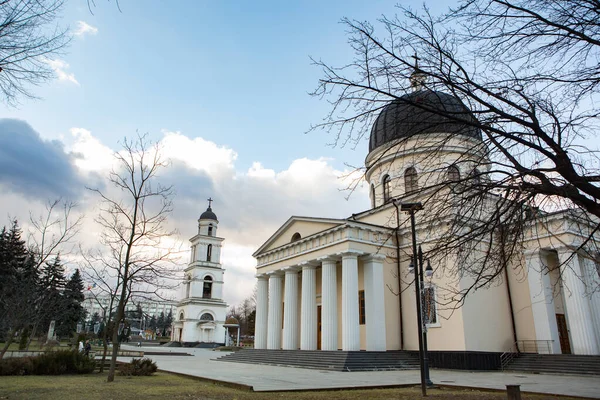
(29, 39)
(528, 72)
(133, 218)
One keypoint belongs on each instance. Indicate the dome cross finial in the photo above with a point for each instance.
(417, 78)
(210, 200)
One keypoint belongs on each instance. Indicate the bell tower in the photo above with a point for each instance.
(201, 310)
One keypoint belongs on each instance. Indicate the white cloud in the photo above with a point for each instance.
(60, 67)
(83, 28)
(91, 155)
(250, 204)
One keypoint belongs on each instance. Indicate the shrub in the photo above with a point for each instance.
(51, 363)
(16, 366)
(138, 367)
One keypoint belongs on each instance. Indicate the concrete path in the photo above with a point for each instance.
(271, 378)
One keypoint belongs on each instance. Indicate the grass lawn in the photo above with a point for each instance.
(166, 386)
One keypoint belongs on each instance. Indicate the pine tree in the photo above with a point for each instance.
(19, 284)
(72, 305)
(160, 323)
(52, 286)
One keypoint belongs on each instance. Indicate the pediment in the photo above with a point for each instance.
(303, 226)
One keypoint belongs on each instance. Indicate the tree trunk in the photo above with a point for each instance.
(9, 341)
(33, 332)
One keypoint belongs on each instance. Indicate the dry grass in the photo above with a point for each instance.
(172, 387)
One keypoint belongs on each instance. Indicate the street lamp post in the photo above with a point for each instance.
(411, 208)
(428, 271)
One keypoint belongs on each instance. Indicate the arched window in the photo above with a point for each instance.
(188, 281)
(453, 173)
(411, 180)
(206, 317)
(210, 230)
(209, 252)
(387, 192)
(372, 196)
(181, 316)
(207, 288)
(476, 176)
(295, 237)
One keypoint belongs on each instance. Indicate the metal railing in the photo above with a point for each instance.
(509, 355)
(535, 346)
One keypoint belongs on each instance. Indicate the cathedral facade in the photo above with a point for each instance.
(201, 311)
(346, 284)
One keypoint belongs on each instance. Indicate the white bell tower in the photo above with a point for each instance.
(201, 310)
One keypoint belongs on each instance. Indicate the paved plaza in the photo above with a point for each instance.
(271, 378)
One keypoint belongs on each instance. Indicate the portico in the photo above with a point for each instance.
(325, 291)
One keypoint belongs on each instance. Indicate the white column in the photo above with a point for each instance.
(262, 307)
(579, 316)
(290, 311)
(592, 283)
(350, 327)
(542, 300)
(308, 324)
(275, 311)
(374, 302)
(329, 320)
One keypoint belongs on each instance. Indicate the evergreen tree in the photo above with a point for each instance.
(72, 305)
(168, 322)
(52, 286)
(152, 323)
(19, 284)
(160, 323)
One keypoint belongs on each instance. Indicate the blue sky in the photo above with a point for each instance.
(223, 85)
(236, 73)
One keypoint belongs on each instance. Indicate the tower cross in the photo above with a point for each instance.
(210, 200)
(416, 57)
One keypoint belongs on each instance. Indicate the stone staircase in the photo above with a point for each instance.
(555, 363)
(327, 360)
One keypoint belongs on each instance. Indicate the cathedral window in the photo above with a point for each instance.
(361, 307)
(429, 306)
(188, 281)
(372, 196)
(476, 176)
(209, 252)
(387, 186)
(206, 317)
(295, 237)
(210, 230)
(453, 173)
(411, 180)
(181, 316)
(207, 288)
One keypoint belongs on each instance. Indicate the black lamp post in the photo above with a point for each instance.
(428, 272)
(411, 208)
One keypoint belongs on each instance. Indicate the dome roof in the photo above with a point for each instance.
(209, 214)
(404, 117)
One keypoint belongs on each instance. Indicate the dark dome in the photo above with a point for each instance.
(403, 118)
(209, 214)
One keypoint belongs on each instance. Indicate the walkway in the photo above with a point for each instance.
(271, 378)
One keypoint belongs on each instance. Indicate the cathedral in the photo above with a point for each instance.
(201, 311)
(347, 284)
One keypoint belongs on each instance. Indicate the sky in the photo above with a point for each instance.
(223, 86)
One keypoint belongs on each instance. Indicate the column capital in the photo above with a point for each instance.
(274, 274)
(374, 257)
(350, 253)
(308, 265)
(329, 257)
(261, 276)
(292, 269)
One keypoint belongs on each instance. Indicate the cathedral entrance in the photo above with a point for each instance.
(563, 334)
(318, 327)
